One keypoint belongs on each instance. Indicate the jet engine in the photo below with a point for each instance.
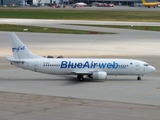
(99, 75)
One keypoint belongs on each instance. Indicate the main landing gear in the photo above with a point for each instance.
(138, 78)
(80, 77)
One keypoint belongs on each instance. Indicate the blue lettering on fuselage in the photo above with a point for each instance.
(87, 64)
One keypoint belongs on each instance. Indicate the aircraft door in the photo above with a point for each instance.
(144, 69)
(35, 66)
(137, 66)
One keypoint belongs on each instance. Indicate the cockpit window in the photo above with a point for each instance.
(145, 64)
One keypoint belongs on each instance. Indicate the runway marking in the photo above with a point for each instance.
(144, 94)
(92, 40)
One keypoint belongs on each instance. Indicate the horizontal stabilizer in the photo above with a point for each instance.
(11, 59)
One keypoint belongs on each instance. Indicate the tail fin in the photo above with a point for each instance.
(19, 50)
(143, 1)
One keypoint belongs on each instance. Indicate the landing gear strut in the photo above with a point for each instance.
(80, 77)
(138, 78)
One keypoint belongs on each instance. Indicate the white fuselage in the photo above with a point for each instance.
(67, 66)
(92, 68)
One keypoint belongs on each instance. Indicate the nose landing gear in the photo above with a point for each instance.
(80, 77)
(138, 78)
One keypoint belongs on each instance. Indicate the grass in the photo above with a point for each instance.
(151, 16)
(150, 28)
(20, 28)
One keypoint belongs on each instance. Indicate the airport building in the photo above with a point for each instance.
(30, 2)
(44, 2)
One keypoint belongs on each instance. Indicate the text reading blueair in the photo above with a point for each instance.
(87, 64)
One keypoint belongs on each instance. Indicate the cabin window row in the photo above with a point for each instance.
(86, 65)
(123, 65)
(52, 65)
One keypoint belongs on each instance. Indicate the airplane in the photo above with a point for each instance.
(158, 4)
(80, 4)
(36, 3)
(97, 69)
(149, 4)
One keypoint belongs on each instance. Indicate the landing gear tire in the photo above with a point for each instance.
(138, 78)
(80, 77)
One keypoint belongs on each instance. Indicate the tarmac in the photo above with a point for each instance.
(34, 96)
(69, 7)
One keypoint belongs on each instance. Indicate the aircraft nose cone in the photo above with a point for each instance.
(152, 68)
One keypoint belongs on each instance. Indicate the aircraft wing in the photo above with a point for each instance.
(82, 72)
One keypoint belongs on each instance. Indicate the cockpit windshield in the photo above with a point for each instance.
(146, 64)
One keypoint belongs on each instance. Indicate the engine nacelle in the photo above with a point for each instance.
(99, 75)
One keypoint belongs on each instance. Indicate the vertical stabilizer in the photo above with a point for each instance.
(19, 50)
(143, 1)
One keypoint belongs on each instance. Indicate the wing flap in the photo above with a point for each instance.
(82, 72)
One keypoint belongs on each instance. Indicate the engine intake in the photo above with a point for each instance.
(99, 75)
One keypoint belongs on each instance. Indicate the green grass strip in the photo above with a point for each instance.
(23, 28)
(150, 28)
(150, 16)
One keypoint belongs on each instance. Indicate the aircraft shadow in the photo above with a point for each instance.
(72, 79)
